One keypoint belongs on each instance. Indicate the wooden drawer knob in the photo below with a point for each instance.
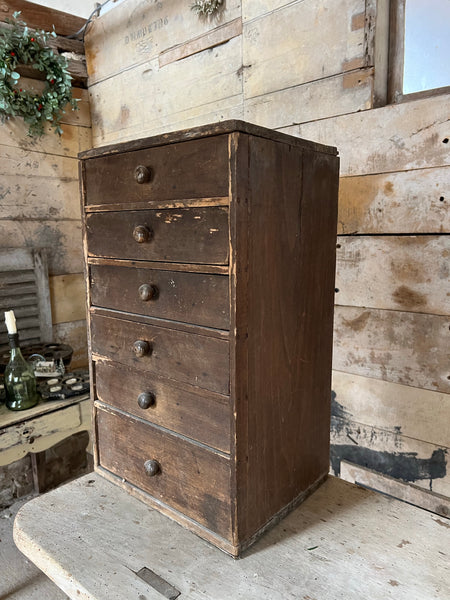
(152, 467)
(142, 174)
(141, 234)
(147, 292)
(141, 348)
(146, 400)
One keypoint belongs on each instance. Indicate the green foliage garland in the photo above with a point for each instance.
(20, 45)
(206, 8)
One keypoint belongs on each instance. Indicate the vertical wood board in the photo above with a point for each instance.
(404, 202)
(402, 347)
(408, 273)
(68, 297)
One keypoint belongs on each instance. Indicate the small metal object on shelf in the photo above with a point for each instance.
(65, 386)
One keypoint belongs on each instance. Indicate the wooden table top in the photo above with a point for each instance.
(91, 538)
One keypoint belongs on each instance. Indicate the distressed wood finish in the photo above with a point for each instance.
(309, 56)
(403, 202)
(194, 235)
(239, 355)
(343, 542)
(189, 410)
(191, 479)
(194, 170)
(407, 273)
(24, 288)
(412, 136)
(402, 347)
(42, 17)
(200, 361)
(190, 297)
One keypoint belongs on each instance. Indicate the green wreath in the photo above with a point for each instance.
(20, 45)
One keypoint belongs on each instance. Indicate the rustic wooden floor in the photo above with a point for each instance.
(343, 542)
(19, 578)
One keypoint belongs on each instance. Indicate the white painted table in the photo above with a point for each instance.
(42, 426)
(90, 538)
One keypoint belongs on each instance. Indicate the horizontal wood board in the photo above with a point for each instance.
(402, 347)
(407, 273)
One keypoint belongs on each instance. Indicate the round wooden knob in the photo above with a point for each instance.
(141, 234)
(142, 174)
(152, 467)
(141, 348)
(147, 292)
(146, 399)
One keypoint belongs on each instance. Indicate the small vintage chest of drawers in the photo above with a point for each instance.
(210, 259)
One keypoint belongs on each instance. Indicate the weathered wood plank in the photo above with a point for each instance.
(335, 95)
(74, 139)
(268, 50)
(62, 237)
(412, 412)
(206, 41)
(136, 32)
(26, 162)
(202, 88)
(342, 538)
(398, 137)
(74, 334)
(38, 198)
(68, 297)
(403, 202)
(389, 453)
(402, 347)
(42, 17)
(409, 273)
(410, 493)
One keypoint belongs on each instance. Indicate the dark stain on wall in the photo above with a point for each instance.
(405, 466)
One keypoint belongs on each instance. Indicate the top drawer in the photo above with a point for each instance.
(194, 169)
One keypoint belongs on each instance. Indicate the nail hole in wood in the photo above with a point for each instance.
(445, 141)
(441, 199)
(336, 290)
(338, 246)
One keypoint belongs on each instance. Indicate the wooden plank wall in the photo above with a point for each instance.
(39, 196)
(306, 67)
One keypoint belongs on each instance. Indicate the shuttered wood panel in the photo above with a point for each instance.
(24, 289)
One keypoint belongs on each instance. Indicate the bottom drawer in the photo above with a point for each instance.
(189, 478)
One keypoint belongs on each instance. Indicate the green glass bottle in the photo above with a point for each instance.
(19, 379)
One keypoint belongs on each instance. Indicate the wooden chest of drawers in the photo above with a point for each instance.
(210, 258)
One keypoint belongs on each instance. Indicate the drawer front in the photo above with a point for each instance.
(193, 169)
(201, 416)
(187, 235)
(189, 297)
(194, 359)
(189, 478)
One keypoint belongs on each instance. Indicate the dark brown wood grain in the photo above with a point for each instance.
(195, 235)
(200, 415)
(41, 17)
(194, 169)
(192, 479)
(203, 131)
(199, 360)
(283, 447)
(191, 297)
(241, 331)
